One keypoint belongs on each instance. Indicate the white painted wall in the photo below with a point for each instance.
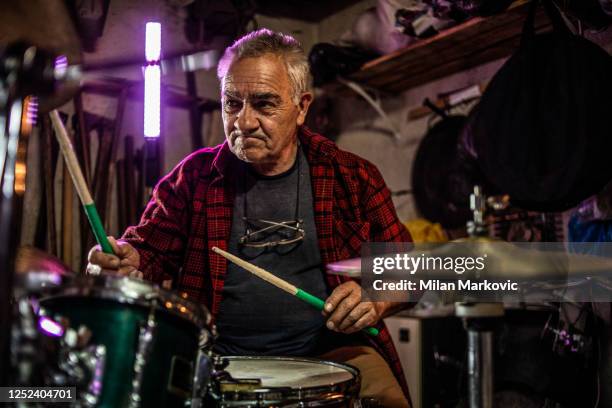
(394, 158)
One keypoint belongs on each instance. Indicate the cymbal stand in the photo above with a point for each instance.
(479, 320)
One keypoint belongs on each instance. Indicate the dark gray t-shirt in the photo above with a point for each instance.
(256, 317)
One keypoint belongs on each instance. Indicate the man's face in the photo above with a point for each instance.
(260, 117)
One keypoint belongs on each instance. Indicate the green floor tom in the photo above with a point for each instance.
(153, 338)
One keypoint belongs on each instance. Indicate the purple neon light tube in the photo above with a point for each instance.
(152, 80)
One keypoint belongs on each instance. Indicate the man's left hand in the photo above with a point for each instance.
(348, 314)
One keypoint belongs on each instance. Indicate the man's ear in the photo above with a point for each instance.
(305, 101)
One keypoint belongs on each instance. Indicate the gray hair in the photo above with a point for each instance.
(258, 43)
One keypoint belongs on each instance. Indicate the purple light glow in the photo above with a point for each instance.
(153, 41)
(61, 65)
(152, 101)
(32, 110)
(50, 327)
(152, 80)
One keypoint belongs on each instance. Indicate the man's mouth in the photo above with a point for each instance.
(246, 138)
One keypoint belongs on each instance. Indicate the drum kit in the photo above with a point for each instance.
(128, 343)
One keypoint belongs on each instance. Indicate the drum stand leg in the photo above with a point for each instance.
(480, 366)
(479, 320)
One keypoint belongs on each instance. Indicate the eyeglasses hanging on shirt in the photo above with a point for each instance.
(259, 231)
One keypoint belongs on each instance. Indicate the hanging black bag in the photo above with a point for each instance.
(543, 129)
(444, 175)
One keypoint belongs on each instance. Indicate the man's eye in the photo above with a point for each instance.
(264, 104)
(232, 104)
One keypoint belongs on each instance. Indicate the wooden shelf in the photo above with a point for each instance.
(474, 42)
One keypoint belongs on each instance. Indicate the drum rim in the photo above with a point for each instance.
(342, 387)
(126, 290)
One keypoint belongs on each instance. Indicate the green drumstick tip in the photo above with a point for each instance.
(97, 227)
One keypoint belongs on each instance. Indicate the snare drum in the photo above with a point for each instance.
(288, 382)
(151, 336)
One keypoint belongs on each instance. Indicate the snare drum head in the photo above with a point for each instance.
(288, 382)
(286, 372)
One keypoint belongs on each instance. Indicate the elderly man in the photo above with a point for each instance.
(288, 201)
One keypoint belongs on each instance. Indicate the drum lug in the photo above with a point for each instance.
(219, 363)
(145, 340)
(79, 366)
(201, 379)
(67, 359)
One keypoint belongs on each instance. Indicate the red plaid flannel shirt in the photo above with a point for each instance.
(191, 211)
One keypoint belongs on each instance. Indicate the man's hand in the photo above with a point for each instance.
(125, 260)
(347, 314)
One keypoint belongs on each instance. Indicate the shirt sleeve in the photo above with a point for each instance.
(379, 209)
(161, 236)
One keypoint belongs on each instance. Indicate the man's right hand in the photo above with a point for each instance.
(125, 261)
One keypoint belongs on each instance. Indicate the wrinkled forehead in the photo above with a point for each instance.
(260, 75)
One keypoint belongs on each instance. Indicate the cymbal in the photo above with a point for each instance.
(504, 260)
(33, 259)
(346, 267)
(38, 271)
(519, 260)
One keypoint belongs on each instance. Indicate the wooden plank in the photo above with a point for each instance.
(449, 44)
(83, 152)
(49, 159)
(477, 41)
(122, 195)
(447, 68)
(82, 136)
(454, 54)
(101, 175)
(140, 182)
(195, 116)
(116, 134)
(67, 194)
(495, 51)
(130, 177)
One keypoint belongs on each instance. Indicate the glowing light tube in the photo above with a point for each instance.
(152, 80)
(152, 101)
(153, 41)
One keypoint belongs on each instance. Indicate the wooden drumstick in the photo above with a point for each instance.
(79, 182)
(281, 284)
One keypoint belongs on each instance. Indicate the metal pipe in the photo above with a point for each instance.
(12, 188)
(480, 368)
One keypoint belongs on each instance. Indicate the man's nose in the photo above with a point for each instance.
(247, 121)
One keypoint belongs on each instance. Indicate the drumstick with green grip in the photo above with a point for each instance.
(79, 182)
(281, 284)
